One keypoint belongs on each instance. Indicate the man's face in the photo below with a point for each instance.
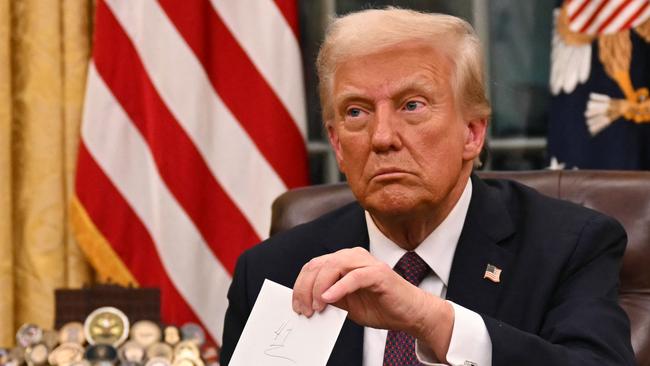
(397, 133)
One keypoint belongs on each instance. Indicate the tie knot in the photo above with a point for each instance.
(412, 268)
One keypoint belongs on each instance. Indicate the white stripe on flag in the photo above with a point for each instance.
(227, 149)
(197, 274)
(263, 33)
(573, 6)
(643, 17)
(625, 15)
(604, 13)
(586, 14)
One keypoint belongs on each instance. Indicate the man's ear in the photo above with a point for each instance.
(336, 144)
(474, 138)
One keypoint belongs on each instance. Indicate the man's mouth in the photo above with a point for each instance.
(390, 172)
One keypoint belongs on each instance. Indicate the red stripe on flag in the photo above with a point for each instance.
(240, 85)
(634, 16)
(593, 16)
(579, 10)
(289, 9)
(123, 229)
(613, 15)
(181, 166)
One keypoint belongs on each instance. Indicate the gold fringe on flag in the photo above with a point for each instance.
(99, 252)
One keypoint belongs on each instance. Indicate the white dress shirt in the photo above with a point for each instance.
(470, 341)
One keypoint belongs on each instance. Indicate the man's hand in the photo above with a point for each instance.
(374, 295)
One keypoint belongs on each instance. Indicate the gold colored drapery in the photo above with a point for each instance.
(44, 53)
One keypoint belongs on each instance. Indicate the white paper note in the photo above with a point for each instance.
(276, 336)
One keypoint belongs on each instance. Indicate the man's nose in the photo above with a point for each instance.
(385, 135)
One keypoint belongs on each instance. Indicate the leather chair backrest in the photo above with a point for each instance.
(623, 195)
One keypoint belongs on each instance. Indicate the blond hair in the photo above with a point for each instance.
(373, 30)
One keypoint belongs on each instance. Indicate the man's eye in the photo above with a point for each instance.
(354, 112)
(412, 105)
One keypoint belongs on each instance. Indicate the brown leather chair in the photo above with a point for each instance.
(623, 195)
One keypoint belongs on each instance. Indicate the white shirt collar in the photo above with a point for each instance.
(437, 249)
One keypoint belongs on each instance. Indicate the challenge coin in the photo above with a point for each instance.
(72, 332)
(17, 354)
(36, 354)
(188, 362)
(193, 332)
(66, 354)
(172, 335)
(145, 332)
(106, 325)
(83, 362)
(4, 356)
(29, 334)
(186, 349)
(158, 361)
(160, 350)
(131, 352)
(50, 338)
(101, 352)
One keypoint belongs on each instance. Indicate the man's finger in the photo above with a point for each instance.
(354, 280)
(302, 288)
(306, 298)
(327, 276)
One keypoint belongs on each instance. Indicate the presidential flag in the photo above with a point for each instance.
(194, 121)
(600, 73)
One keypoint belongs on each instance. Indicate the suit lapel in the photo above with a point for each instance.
(349, 231)
(487, 224)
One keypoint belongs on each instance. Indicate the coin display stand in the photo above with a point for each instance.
(107, 337)
(74, 305)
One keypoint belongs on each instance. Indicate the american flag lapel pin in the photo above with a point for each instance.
(492, 273)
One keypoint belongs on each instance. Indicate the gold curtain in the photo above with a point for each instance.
(44, 53)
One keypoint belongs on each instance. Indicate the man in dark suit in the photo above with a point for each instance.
(433, 264)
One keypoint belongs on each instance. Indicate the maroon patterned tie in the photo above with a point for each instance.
(400, 347)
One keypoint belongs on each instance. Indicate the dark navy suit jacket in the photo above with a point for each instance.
(556, 303)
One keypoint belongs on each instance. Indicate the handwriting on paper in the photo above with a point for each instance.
(275, 335)
(277, 348)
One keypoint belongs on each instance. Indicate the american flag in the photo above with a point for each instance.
(595, 17)
(492, 273)
(194, 121)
